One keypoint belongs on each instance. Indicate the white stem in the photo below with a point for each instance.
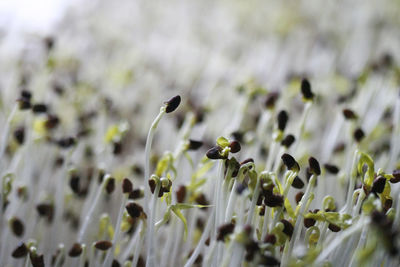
(151, 246)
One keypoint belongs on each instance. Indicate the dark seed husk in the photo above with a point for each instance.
(314, 166)
(127, 186)
(172, 104)
(297, 183)
(103, 245)
(75, 250)
(20, 251)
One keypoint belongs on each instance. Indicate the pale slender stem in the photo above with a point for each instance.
(151, 246)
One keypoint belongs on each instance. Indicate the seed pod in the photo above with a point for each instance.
(308, 222)
(134, 210)
(66, 142)
(271, 99)
(181, 194)
(36, 260)
(213, 153)
(225, 230)
(115, 263)
(270, 238)
(110, 186)
(19, 135)
(52, 122)
(45, 210)
(314, 166)
(127, 186)
(288, 140)
(274, 201)
(282, 120)
(20, 251)
(17, 226)
(298, 197)
(378, 185)
(290, 162)
(333, 169)
(172, 104)
(117, 148)
(76, 250)
(74, 184)
(396, 177)
(103, 245)
(136, 194)
(152, 185)
(201, 200)
(23, 104)
(297, 183)
(235, 146)
(26, 94)
(359, 135)
(39, 108)
(194, 145)
(334, 227)
(349, 114)
(288, 227)
(306, 89)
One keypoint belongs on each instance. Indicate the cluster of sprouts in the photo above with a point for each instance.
(111, 166)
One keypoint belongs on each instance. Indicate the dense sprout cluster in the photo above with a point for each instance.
(281, 151)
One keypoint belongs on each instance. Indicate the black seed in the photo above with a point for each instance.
(45, 210)
(115, 263)
(225, 230)
(136, 194)
(262, 210)
(181, 194)
(273, 201)
(299, 196)
(235, 146)
(127, 186)
(334, 227)
(297, 183)
(152, 185)
(378, 185)
(213, 153)
(270, 238)
(172, 104)
(288, 140)
(75, 250)
(314, 166)
(36, 260)
(290, 162)
(308, 222)
(74, 184)
(110, 185)
(306, 89)
(17, 226)
(288, 227)
(26, 94)
(194, 145)
(282, 120)
(271, 100)
(117, 148)
(134, 210)
(66, 142)
(333, 169)
(24, 103)
(19, 135)
(201, 200)
(103, 245)
(101, 176)
(396, 177)
(20, 251)
(52, 122)
(49, 42)
(358, 135)
(388, 204)
(349, 114)
(247, 161)
(39, 108)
